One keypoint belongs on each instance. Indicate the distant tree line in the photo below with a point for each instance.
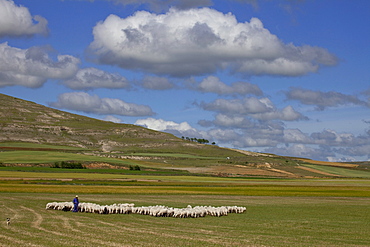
(193, 139)
(68, 165)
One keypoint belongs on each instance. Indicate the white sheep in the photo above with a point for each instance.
(156, 211)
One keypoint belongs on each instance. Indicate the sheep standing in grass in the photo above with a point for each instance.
(50, 205)
(125, 208)
(156, 211)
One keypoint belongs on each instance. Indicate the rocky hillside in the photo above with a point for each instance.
(25, 121)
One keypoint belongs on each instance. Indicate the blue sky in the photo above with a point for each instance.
(289, 77)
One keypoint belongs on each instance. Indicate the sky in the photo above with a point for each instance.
(288, 77)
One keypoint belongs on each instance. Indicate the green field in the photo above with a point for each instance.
(201, 159)
(340, 171)
(280, 212)
(50, 157)
(268, 221)
(308, 208)
(37, 145)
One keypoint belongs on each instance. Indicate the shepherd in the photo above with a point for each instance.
(75, 203)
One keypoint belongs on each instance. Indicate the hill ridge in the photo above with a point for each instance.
(27, 122)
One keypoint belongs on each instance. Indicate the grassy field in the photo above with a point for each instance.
(280, 212)
(340, 171)
(326, 205)
(47, 155)
(268, 221)
(26, 145)
(51, 157)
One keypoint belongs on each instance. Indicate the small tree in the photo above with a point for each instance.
(135, 168)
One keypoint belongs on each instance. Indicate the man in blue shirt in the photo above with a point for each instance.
(75, 203)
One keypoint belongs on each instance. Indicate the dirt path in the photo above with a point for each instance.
(317, 171)
(37, 222)
(64, 222)
(17, 241)
(251, 153)
(284, 172)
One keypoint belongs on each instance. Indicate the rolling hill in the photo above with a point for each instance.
(35, 134)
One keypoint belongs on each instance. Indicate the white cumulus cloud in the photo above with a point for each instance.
(17, 21)
(286, 114)
(81, 101)
(257, 108)
(33, 67)
(89, 78)
(177, 129)
(156, 83)
(323, 100)
(228, 121)
(191, 42)
(163, 125)
(212, 84)
(302, 150)
(160, 5)
(243, 106)
(113, 119)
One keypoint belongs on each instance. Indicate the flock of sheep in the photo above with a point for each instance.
(157, 211)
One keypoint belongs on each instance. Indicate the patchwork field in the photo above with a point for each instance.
(280, 212)
(289, 202)
(223, 165)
